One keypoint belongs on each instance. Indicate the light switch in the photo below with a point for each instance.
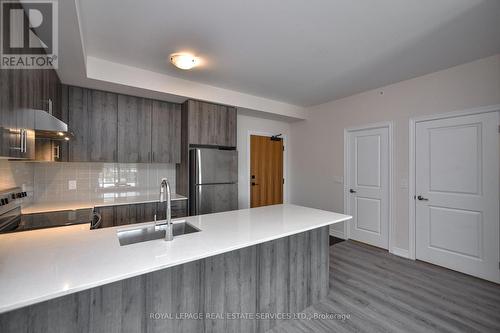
(338, 179)
(72, 185)
(403, 183)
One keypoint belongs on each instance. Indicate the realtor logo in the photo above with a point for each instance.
(29, 38)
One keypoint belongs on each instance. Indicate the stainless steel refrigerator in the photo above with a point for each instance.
(213, 180)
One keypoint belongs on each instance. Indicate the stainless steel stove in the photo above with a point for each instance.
(12, 219)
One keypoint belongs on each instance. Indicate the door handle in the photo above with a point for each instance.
(421, 198)
(352, 191)
(254, 184)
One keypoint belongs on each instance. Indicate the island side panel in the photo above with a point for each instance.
(281, 276)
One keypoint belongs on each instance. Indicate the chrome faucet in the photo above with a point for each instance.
(165, 196)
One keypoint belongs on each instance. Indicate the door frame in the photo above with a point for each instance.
(390, 126)
(285, 162)
(413, 159)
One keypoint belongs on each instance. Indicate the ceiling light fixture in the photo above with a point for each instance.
(184, 60)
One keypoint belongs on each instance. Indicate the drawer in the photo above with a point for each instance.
(138, 213)
(179, 209)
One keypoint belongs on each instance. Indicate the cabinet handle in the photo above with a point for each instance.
(25, 141)
(21, 143)
(56, 152)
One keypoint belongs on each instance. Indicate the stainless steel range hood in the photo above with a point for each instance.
(49, 127)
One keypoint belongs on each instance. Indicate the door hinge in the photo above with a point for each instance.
(283, 181)
(283, 148)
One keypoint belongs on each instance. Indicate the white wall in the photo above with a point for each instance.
(317, 143)
(245, 125)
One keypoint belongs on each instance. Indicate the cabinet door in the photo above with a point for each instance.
(226, 126)
(107, 216)
(78, 121)
(201, 123)
(166, 133)
(102, 119)
(211, 124)
(179, 209)
(54, 94)
(134, 129)
(7, 114)
(146, 212)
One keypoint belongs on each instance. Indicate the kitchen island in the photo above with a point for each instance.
(263, 261)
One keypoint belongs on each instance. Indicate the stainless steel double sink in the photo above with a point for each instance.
(153, 232)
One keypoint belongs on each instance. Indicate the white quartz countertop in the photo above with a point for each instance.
(115, 200)
(43, 264)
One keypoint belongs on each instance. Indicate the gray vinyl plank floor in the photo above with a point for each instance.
(378, 292)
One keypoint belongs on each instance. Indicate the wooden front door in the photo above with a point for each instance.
(266, 171)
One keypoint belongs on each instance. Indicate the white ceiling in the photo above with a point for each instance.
(299, 52)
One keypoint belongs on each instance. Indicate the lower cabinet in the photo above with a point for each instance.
(112, 216)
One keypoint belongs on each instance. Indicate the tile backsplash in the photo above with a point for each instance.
(20, 174)
(84, 181)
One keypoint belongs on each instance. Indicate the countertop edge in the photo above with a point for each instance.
(16, 306)
(66, 206)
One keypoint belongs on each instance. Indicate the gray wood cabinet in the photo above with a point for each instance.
(138, 213)
(111, 127)
(281, 276)
(166, 132)
(103, 114)
(134, 129)
(23, 90)
(78, 119)
(92, 117)
(211, 124)
(17, 117)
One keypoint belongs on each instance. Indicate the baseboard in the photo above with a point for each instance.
(401, 252)
(337, 233)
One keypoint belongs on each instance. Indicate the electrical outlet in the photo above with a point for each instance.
(72, 185)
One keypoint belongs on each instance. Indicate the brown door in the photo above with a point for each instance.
(266, 171)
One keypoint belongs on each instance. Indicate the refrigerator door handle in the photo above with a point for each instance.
(198, 167)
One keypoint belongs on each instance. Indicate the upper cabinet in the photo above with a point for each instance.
(21, 91)
(102, 118)
(211, 124)
(166, 132)
(111, 127)
(134, 129)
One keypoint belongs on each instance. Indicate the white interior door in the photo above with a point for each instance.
(457, 194)
(368, 186)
